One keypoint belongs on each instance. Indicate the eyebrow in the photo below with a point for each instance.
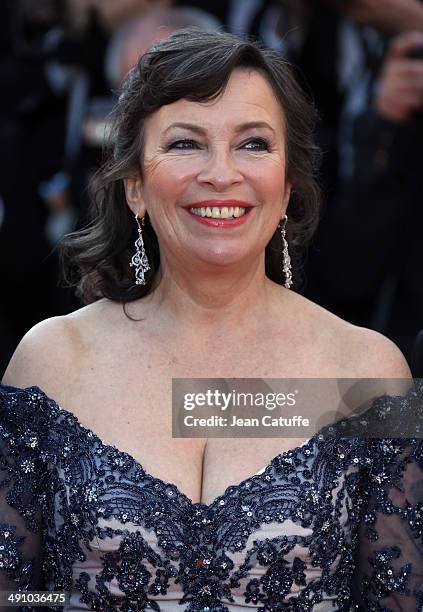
(239, 128)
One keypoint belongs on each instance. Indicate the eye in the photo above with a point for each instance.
(185, 141)
(263, 144)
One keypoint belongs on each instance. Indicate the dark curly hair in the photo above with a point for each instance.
(193, 64)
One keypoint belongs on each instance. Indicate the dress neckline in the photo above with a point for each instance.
(178, 494)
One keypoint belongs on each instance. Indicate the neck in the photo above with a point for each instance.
(212, 298)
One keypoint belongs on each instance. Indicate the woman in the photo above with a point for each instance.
(212, 144)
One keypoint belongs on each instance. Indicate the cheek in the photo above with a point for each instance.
(269, 181)
(165, 178)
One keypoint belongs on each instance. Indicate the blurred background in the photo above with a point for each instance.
(61, 64)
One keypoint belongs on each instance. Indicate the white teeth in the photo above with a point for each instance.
(217, 212)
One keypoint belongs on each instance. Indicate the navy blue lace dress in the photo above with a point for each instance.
(334, 524)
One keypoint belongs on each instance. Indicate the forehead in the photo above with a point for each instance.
(248, 96)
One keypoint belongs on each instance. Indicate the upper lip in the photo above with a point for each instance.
(219, 203)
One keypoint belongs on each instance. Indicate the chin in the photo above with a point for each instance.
(221, 259)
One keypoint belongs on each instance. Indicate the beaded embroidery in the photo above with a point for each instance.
(345, 515)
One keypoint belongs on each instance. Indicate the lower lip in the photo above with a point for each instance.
(221, 222)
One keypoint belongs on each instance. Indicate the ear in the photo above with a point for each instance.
(288, 190)
(133, 192)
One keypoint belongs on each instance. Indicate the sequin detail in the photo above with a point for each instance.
(334, 524)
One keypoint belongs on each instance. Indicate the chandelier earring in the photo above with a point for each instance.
(139, 260)
(286, 258)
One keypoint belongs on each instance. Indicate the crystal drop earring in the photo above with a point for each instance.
(139, 260)
(286, 258)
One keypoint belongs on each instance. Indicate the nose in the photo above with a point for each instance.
(221, 170)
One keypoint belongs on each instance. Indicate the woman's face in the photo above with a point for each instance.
(198, 154)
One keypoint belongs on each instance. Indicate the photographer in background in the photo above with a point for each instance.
(377, 282)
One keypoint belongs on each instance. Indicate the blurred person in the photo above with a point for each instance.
(257, 18)
(89, 27)
(338, 47)
(32, 128)
(133, 39)
(80, 56)
(391, 16)
(400, 89)
(112, 14)
(377, 207)
(189, 268)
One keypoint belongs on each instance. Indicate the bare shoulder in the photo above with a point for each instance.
(50, 351)
(373, 355)
(352, 351)
(46, 350)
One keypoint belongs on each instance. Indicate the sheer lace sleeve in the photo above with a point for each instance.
(23, 490)
(389, 558)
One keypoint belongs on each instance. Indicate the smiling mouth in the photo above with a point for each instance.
(220, 212)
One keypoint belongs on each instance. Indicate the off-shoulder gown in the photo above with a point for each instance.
(335, 524)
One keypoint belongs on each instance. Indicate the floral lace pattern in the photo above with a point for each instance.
(334, 524)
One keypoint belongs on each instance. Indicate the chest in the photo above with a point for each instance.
(268, 530)
(127, 402)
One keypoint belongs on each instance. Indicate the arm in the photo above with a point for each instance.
(22, 490)
(389, 556)
(43, 358)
